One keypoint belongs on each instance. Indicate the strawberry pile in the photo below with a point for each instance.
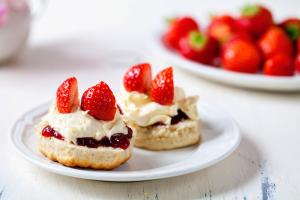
(139, 79)
(250, 43)
(98, 100)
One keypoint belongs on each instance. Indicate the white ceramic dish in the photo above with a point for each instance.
(220, 137)
(252, 81)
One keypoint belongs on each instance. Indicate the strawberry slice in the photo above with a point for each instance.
(100, 102)
(67, 96)
(138, 78)
(162, 90)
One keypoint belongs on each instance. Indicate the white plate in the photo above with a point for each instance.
(220, 136)
(253, 81)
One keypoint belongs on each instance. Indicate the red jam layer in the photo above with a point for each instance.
(48, 131)
(175, 119)
(179, 117)
(117, 140)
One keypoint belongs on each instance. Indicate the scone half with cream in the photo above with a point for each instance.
(90, 133)
(161, 115)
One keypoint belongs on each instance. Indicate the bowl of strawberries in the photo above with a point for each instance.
(248, 50)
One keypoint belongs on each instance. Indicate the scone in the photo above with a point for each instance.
(159, 113)
(90, 135)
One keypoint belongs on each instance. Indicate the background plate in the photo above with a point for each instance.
(220, 136)
(253, 81)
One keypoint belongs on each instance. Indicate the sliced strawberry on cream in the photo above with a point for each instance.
(67, 96)
(162, 118)
(138, 78)
(100, 102)
(162, 90)
(160, 105)
(96, 123)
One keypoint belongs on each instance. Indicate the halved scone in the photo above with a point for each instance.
(92, 135)
(161, 116)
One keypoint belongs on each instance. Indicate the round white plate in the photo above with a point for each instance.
(220, 136)
(253, 81)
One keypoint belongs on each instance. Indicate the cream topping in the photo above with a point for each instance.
(80, 124)
(140, 110)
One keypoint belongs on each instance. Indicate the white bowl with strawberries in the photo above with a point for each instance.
(250, 50)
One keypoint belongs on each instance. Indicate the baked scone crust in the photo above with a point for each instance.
(164, 137)
(71, 155)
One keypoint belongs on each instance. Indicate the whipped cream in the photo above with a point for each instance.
(140, 110)
(80, 124)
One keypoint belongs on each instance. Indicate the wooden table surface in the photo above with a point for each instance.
(97, 41)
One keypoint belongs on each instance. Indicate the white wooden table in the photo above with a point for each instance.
(89, 41)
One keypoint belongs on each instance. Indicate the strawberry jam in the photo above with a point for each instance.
(179, 117)
(93, 143)
(117, 140)
(175, 119)
(48, 131)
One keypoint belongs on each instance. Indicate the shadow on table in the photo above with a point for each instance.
(59, 55)
(228, 175)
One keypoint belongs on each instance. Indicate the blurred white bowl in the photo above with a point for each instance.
(252, 81)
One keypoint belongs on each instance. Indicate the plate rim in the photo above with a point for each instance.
(244, 80)
(104, 176)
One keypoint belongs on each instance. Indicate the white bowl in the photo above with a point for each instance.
(253, 81)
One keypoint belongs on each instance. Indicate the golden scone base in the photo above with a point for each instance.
(71, 155)
(182, 134)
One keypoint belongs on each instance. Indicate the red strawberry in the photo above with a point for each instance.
(279, 65)
(67, 96)
(297, 62)
(292, 28)
(177, 29)
(100, 102)
(138, 78)
(255, 19)
(162, 90)
(224, 28)
(198, 47)
(298, 45)
(297, 58)
(241, 56)
(241, 35)
(275, 41)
